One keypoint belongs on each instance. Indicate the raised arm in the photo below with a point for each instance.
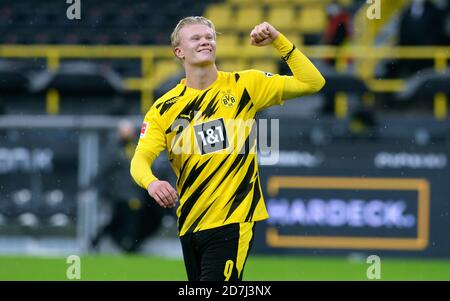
(306, 78)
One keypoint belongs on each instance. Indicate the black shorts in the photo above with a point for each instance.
(217, 254)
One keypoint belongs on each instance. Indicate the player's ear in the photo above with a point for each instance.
(178, 52)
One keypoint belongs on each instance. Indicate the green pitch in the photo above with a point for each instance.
(107, 267)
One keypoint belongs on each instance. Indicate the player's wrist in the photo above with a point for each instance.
(282, 44)
(150, 183)
(274, 35)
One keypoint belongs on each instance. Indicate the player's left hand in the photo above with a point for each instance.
(263, 34)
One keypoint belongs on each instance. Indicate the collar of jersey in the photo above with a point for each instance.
(190, 90)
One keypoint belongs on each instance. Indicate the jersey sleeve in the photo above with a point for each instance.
(152, 136)
(265, 89)
(306, 78)
(151, 143)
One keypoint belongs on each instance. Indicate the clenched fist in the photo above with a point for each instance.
(163, 193)
(263, 34)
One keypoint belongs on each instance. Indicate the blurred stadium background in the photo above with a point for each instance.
(363, 165)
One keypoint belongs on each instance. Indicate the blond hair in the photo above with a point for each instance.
(175, 36)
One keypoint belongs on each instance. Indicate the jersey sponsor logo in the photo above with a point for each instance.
(228, 99)
(186, 116)
(172, 100)
(211, 136)
(144, 129)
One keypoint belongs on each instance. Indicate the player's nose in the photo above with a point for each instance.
(204, 42)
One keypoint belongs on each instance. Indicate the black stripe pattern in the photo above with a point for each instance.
(166, 105)
(242, 190)
(198, 219)
(189, 203)
(212, 107)
(245, 99)
(255, 200)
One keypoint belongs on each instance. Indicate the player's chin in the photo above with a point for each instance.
(205, 60)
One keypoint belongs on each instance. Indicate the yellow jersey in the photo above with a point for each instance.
(210, 136)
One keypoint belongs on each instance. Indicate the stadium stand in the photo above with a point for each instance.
(116, 61)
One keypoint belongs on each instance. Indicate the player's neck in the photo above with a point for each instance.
(201, 78)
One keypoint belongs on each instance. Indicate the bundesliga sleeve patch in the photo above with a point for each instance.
(144, 129)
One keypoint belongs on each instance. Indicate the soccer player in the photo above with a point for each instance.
(218, 185)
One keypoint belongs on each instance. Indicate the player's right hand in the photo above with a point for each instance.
(263, 34)
(163, 193)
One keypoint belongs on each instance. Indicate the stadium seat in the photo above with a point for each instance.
(346, 2)
(22, 198)
(5, 206)
(295, 38)
(247, 17)
(28, 219)
(94, 16)
(265, 65)
(164, 69)
(282, 17)
(125, 17)
(422, 91)
(102, 39)
(34, 22)
(277, 2)
(227, 43)
(59, 220)
(5, 16)
(22, 207)
(57, 202)
(309, 2)
(221, 15)
(232, 65)
(311, 19)
(14, 79)
(244, 2)
(71, 38)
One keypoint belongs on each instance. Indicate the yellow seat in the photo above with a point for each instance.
(221, 15)
(295, 38)
(277, 2)
(164, 69)
(346, 2)
(248, 17)
(246, 2)
(311, 2)
(265, 65)
(232, 65)
(228, 42)
(322, 2)
(282, 17)
(311, 19)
